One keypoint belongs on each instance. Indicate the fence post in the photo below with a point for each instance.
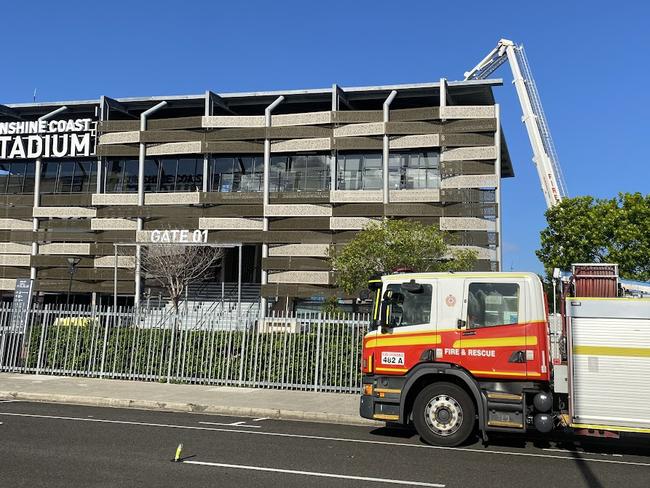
(243, 350)
(317, 357)
(39, 358)
(107, 322)
(171, 346)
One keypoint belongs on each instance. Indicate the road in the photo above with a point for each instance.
(73, 446)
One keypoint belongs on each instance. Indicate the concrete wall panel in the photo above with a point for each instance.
(467, 112)
(15, 224)
(230, 223)
(14, 248)
(14, 259)
(304, 210)
(468, 153)
(312, 277)
(67, 248)
(356, 196)
(467, 223)
(303, 250)
(350, 223)
(113, 199)
(179, 198)
(64, 212)
(113, 224)
(470, 181)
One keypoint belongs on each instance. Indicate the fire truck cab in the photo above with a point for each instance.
(452, 352)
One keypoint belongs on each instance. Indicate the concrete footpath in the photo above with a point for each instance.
(247, 402)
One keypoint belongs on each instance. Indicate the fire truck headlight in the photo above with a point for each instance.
(367, 389)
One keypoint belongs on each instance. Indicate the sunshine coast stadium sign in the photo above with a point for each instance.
(47, 139)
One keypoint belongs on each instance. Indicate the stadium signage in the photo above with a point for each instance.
(47, 139)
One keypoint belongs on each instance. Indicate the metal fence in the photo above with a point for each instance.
(314, 352)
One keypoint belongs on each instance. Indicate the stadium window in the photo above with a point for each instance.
(16, 178)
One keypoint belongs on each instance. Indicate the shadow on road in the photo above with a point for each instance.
(575, 445)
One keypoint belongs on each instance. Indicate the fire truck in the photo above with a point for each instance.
(456, 353)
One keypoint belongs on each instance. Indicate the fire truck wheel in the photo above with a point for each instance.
(444, 414)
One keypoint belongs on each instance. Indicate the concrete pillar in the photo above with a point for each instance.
(140, 221)
(497, 193)
(386, 151)
(266, 194)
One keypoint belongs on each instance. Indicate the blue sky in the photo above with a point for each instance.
(589, 60)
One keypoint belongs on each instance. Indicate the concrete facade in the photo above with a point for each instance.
(457, 141)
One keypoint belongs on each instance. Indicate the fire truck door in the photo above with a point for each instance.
(410, 329)
(492, 339)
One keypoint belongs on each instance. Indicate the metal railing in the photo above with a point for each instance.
(314, 352)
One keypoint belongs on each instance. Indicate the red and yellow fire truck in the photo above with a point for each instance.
(456, 352)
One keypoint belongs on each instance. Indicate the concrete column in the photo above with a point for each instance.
(266, 195)
(140, 221)
(335, 108)
(386, 152)
(443, 97)
(206, 159)
(497, 193)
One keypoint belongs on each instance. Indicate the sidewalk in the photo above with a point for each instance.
(247, 402)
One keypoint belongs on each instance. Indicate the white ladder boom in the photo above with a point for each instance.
(544, 154)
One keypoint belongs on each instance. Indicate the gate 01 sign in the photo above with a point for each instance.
(179, 236)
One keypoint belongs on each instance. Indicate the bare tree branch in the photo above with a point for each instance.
(175, 266)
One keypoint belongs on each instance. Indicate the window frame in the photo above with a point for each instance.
(431, 308)
(472, 325)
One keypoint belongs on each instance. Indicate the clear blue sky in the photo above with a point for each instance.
(590, 61)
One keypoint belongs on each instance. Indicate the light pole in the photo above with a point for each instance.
(72, 268)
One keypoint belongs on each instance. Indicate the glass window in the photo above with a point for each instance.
(412, 309)
(235, 173)
(66, 174)
(151, 167)
(5, 169)
(186, 177)
(279, 177)
(168, 175)
(219, 167)
(16, 178)
(114, 175)
(490, 304)
(130, 181)
(82, 175)
(30, 178)
(350, 171)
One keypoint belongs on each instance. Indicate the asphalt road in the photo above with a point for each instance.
(69, 446)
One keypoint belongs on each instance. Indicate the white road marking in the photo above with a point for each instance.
(573, 451)
(260, 419)
(331, 439)
(320, 475)
(7, 401)
(234, 424)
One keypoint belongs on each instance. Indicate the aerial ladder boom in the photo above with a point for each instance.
(544, 154)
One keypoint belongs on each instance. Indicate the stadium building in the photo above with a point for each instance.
(285, 174)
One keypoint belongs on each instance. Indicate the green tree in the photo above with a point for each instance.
(390, 244)
(588, 230)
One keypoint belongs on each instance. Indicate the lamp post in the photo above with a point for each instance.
(72, 268)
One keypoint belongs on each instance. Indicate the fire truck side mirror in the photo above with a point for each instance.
(461, 323)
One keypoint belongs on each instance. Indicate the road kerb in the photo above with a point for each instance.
(279, 414)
